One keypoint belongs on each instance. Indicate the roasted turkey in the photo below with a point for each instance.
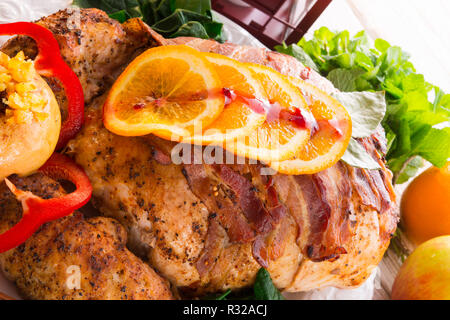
(74, 257)
(209, 227)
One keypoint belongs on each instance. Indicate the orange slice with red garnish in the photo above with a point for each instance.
(328, 143)
(239, 116)
(288, 123)
(168, 91)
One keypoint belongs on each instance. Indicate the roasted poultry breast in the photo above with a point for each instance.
(94, 247)
(200, 227)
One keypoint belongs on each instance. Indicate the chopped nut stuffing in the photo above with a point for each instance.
(23, 99)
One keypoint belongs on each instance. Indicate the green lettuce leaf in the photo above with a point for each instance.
(411, 169)
(171, 18)
(343, 79)
(120, 16)
(199, 6)
(191, 29)
(127, 8)
(414, 107)
(366, 109)
(357, 156)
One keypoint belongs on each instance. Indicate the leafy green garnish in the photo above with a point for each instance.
(120, 16)
(171, 18)
(414, 106)
(297, 52)
(357, 156)
(199, 6)
(264, 288)
(343, 79)
(411, 168)
(397, 245)
(119, 8)
(366, 109)
(217, 296)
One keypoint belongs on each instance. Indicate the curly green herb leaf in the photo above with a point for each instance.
(414, 106)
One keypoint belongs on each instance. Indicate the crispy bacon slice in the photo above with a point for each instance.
(175, 220)
(219, 200)
(245, 193)
(321, 206)
(215, 242)
(247, 213)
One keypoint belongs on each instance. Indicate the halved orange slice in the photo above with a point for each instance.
(167, 91)
(280, 136)
(328, 143)
(237, 118)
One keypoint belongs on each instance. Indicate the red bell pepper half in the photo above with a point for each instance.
(37, 211)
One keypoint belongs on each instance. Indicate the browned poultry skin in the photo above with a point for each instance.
(176, 224)
(40, 267)
(93, 45)
(166, 222)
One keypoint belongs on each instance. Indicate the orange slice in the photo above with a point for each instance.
(278, 138)
(167, 91)
(329, 143)
(237, 118)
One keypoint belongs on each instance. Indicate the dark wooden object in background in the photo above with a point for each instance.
(269, 20)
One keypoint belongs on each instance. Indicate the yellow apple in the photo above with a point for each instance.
(425, 275)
